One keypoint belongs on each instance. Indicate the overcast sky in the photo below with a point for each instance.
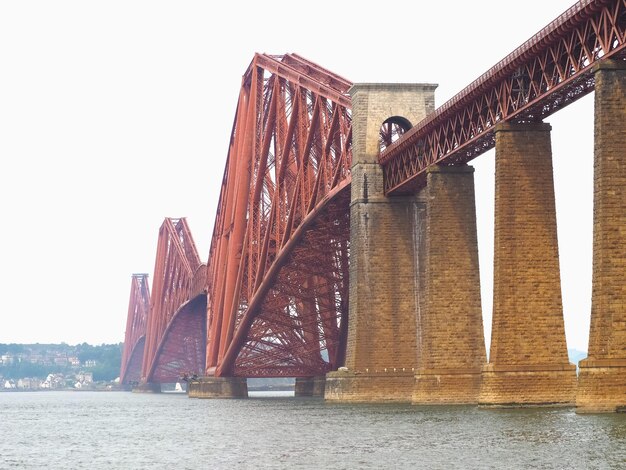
(116, 114)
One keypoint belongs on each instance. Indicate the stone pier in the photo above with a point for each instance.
(310, 386)
(382, 349)
(452, 342)
(218, 387)
(602, 379)
(146, 387)
(528, 358)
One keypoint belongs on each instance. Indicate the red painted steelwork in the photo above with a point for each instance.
(277, 271)
(132, 374)
(183, 346)
(177, 261)
(275, 291)
(543, 75)
(134, 339)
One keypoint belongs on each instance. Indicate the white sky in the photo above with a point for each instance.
(116, 114)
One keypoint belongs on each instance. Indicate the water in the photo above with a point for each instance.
(121, 430)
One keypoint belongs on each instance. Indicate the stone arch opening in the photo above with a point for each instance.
(391, 130)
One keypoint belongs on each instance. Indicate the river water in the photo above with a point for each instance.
(122, 430)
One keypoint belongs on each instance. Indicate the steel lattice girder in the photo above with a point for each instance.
(182, 350)
(545, 74)
(136, 320)
(288, 164)
(301, 325)
(177, 262)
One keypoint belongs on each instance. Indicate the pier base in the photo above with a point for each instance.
(446, 387)
(602, 379)
(147, 387)
(386, 238)
(218, 387)
(370, 387)
(310, 386)
(452, 343)
(601, 386)
(515, 386)
(528, 365)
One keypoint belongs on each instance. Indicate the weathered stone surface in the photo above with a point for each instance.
(383, 285)
(146, 387)
(451, 339)
(528, 358)
(446, 386)
(218, 387)
(601, 386)
(384, 281)
(527, 385)
(310, 386)
(602, 380)
(373, 103)
(391, 386)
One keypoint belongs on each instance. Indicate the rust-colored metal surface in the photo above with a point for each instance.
(546, 73)
(136, 321)
(174, 332)
(181, 352)
(278, 263)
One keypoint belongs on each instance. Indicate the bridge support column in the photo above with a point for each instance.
(381, 353)
(528, 360)
(602, 379)
(146, 387)
(452, 337)
(218, 387)
(310, 386)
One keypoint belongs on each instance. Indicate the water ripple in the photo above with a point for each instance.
(137, 431)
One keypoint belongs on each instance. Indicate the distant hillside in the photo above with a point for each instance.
(39, 360)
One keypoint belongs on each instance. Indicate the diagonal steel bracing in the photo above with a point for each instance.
(546, 73)
(284, 192)
(175, 323)
(276, 283)
(136, 321)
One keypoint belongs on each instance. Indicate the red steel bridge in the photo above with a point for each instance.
(272, 299)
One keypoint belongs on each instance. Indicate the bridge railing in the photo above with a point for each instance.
(546, 73)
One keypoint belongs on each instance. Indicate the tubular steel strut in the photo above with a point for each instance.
(134, 338)
(175, 332)
(278, 263)
(273, 298)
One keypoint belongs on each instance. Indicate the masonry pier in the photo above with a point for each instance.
(528, 359)
(218, 387)
(602, 379)
(310, 386)
(146, 387)
(382, 351)
(451, 338)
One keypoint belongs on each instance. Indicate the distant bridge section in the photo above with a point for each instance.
(176, 329)
(136, 321)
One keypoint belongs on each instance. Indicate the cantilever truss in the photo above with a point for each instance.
(175, 330)
(546, 73)
(278, 263)
(134, 339)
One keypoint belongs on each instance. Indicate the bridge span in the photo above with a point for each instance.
(344, 250)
